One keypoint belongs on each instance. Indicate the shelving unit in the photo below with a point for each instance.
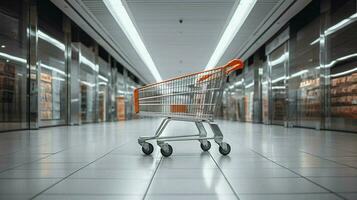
(344, 96)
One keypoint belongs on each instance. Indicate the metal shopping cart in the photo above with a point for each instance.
(193, 98)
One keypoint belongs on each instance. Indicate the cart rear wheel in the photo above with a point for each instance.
(206, 147)
(225, 151)
(167, 151)
(147, 148)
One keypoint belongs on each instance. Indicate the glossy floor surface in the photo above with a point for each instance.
(104, 161)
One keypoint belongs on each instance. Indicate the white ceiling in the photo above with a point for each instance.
(181, 48)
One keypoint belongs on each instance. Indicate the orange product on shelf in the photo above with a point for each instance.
(178, 108)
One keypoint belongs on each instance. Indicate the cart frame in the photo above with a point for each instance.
(198, 119)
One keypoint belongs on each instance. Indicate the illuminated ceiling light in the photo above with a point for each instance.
(249, 85)
(53, 69)
(315, 41)
(279, 60)
(3, 46)
(89, 63)
(340, 59)
(103, 78)
(118, 11)
(51, 40)
(240, 15)
(87, 83)
(344, 73)
(14, 58)
(299, 73)
(278, 79)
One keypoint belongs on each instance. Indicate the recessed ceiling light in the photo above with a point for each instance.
(3, 46)
(118, 11)
(240, 15)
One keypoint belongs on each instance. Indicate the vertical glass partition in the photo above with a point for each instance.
(88, 84)
(341, 64)
(304, 79)
(13, 65)
(103, 91)
(51, 61)
(277, 61)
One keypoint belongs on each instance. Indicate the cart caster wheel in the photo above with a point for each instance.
(147, 148)
(225, 151)
(167, 151)
(206, 147)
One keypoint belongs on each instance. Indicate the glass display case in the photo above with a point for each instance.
(13, 65)
(249, 94)
(304, 83)
(52, 65)
(120, 97)
(340, 65)
(277, 61)
(88, 84)
(103, 88)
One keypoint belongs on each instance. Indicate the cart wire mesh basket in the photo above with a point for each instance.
(193, 98)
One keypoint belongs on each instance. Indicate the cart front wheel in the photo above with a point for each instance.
(167, 150)
(206, 147)
(147, 148)
(225, 150)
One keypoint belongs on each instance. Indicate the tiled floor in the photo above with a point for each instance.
(104, 161)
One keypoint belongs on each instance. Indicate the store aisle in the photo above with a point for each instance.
(104, 161)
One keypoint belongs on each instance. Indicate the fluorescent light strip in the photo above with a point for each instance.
(118, 11)
(249, 85)
(279, 60)
(278, 87)
(299, 73)
(89, 63)
(59, 79)
(344, 73)
(88, 84)
(103, 78)
(52, 69)
(51, 40)
(240, 15)
(14, 58)
(340, 59)
(337, 27)
(278, 79)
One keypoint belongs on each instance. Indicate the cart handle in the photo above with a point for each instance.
(230, 67)
(233, 65)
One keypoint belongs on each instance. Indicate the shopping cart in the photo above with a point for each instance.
(193, 98)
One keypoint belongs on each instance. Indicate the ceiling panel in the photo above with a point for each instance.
(99, 11)
(179, 48)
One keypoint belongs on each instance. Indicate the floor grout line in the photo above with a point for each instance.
(152, 178)
(33, 161)
(304, 177)
(64, 178)
(317, 156)
(225, 177)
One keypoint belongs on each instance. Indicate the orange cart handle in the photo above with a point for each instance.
(230, 67)
(233, 65)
